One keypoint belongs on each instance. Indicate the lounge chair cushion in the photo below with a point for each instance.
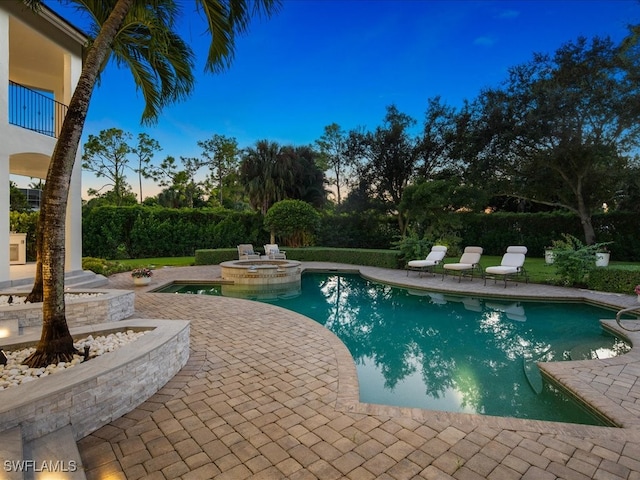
(511, 263)
(273, 251)
(246, 250)
(468, 260)
(435, 256)
(502, 270)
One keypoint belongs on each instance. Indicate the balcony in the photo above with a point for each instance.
(35, 111)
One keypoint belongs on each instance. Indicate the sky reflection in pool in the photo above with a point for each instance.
(415, 348)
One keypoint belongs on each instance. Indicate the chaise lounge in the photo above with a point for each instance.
(435, 257)
(468, 264)
(272, 251)
(511, 267)
(245, 252)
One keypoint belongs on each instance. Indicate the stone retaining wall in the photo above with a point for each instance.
(92, 394)
(109, 306)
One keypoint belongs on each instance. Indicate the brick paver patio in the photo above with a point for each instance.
(270, 394)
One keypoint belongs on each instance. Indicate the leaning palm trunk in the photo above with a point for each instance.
(35, 296)
(56, 343)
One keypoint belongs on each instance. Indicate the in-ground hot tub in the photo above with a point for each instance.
(261, 272)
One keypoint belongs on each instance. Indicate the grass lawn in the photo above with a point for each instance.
(537, 269)
(158, 262)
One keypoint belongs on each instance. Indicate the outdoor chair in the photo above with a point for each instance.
(272, 251)
(511, 267)
(435, 257)
(469, 263)
(245, 252)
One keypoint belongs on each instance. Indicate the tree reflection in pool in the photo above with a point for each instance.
(416, 348)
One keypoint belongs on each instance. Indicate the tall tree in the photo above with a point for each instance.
(181, 188)
(308, 180)
(392, 155)
(335, 157)
(266, 173)
(220, 154)
(106, 155)
(138, 34)
(562, 129)
(144, 152)
(436, 146)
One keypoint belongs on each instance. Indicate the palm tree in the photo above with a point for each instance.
(138, 34)
(260, 174)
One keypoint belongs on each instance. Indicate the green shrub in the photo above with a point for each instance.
(357, 230)
(215, 256)
(25, 222)
(143, 232)
(102, 266)
(293, 222)
(614, 279)
(573, 260)
(411, 247)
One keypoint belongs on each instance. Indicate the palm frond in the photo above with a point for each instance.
(225, 19)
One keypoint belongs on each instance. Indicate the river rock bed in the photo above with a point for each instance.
(11, 299)
(14, 373)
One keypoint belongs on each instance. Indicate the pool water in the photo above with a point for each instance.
(416, 348)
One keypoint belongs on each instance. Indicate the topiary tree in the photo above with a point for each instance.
(294, 222)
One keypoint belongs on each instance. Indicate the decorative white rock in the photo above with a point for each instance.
(14, 373)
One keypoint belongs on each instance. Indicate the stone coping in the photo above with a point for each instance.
(92, 394)
(619, 412)
(110, 305)
(593, 382)
(260, 263)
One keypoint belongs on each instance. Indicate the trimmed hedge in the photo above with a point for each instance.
(352, 256)
(614, 279)
(143, 232)
(496, 231)
(211, 256)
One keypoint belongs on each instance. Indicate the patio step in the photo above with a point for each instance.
(84, 279)
(77, 279)
(11, 451)
(54, 455)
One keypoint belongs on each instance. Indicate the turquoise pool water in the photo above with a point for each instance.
(446, 352)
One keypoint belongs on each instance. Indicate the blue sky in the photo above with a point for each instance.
(323, 61)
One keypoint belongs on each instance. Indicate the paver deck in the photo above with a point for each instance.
(270, 394)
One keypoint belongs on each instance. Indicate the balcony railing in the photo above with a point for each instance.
(34, 111)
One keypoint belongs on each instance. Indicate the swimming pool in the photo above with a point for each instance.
(416, 348)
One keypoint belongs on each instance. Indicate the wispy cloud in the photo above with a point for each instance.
(485, 41)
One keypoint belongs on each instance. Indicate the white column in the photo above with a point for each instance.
(73, 232)
(4, 153)
(4, 218)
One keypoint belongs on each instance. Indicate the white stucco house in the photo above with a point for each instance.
(41, 58)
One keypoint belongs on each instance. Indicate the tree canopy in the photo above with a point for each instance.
(563, 128)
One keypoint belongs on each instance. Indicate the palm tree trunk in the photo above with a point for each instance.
(56, 343)
(35, 296)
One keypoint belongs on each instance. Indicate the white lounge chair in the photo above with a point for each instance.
(435, 257)
(245, 252)
(272, 251)
(469, 263)
(511, 266)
